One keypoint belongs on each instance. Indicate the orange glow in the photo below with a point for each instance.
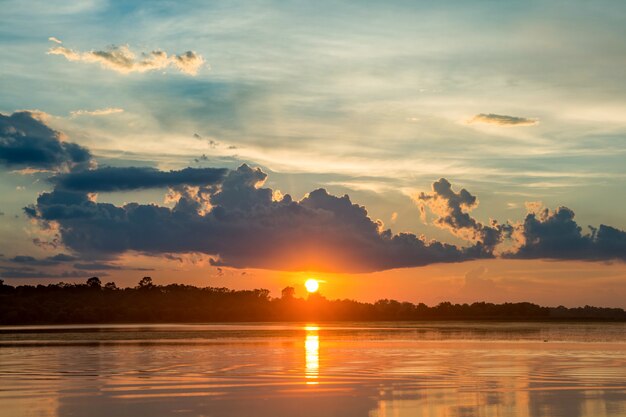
(502, 280)
(312, 355)
(312, 285)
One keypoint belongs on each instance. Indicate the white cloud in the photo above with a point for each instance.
(97, 112)
(122, 59)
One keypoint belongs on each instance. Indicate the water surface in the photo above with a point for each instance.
(353, 369)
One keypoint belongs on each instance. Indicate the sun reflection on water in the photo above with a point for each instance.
(312, 354)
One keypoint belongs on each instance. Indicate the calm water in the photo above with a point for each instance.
(416, 369)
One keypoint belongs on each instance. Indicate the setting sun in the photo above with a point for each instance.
(398, 208)
(312, 285)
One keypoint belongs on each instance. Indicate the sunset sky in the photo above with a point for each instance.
(410, 150)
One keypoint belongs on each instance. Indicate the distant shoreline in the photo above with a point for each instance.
(322, 323)
(147, 303)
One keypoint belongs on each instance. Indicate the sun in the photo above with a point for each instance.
(312, 285)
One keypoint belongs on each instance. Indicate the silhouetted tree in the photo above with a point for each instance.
(146, 283)
(78, 303)
(288, 293)
(94, 282)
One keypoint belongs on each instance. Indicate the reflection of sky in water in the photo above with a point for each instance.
(469, 370)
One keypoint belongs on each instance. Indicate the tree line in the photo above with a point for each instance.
(93, 302)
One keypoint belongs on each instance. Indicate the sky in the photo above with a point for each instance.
(423, 151)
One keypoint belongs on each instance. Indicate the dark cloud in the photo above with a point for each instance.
(543, 234)
(453, 209)
(556, 235)
(133, 178)
(502, 120)
(62, 257)
(27, 263)
(610, 242)
(32, 273)
(53, 243)
(27, 142)
(30, 260)
(49, 261)
(242, 225)
(239, 223)
(101, 266)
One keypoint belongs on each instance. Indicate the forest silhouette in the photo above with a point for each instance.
(93, 302)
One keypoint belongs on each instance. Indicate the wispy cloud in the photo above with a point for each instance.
(121, 59)
(97, 112)
(502, 120)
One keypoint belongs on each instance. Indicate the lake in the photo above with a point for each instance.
(348, 369)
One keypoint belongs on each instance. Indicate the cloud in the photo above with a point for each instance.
(452, 210)
(101, 266)
(31, 273)
(555, 234)
(229, 216)
(55, 40)
(62, 257)
(27, 142)
(544, 234)
(47, 265)
(240, 224)
(96, 266)
(24, 266)
(121, 59)
(29, 260)
(53, 243)
(98, 112)
(134, 178)
(502, 120)
(49, 261)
